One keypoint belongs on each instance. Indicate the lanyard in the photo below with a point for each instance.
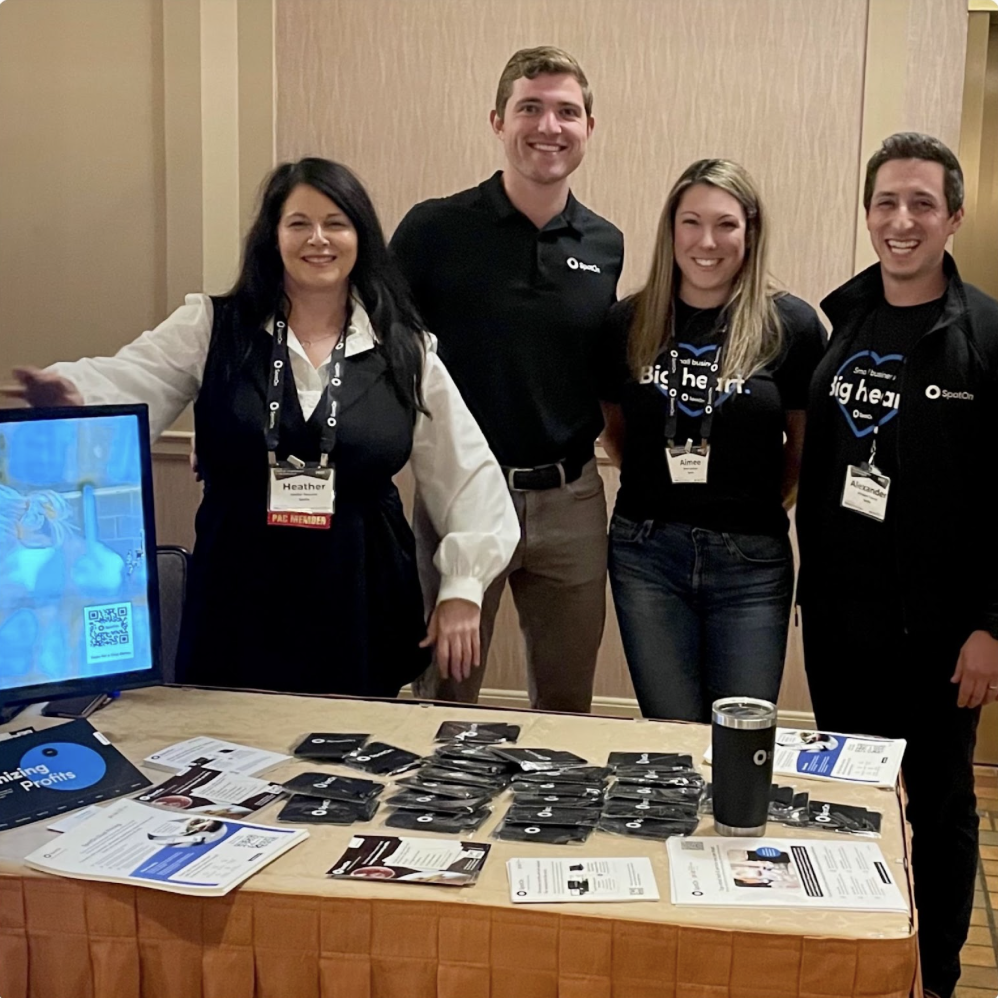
(671, 353)
(280, 358)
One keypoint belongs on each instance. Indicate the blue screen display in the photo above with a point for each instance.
(74, 600)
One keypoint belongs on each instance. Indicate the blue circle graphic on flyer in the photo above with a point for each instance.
(767, 852)
(63, 766)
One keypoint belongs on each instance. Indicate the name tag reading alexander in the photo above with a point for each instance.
(866, 491)
(301, 497)
(687, 465)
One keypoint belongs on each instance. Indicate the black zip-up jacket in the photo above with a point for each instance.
(945, 509)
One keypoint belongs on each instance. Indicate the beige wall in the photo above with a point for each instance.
(82, 238)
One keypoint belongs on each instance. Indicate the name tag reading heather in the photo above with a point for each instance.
(301, 497)
(865, 491)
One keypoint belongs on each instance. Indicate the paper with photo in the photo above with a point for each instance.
(201, 790)
(768, 873)
(225, 756)
(581, 879)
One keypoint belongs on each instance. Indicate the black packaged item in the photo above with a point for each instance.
(471, 731)
(648, 828)
(346, 788)
(329, 746)
(560, 789)
(664, 795)
(783, 802)
(480, 766)
(414, 800)
(481, 753)
(663, 761)
(658, 777)
(577, 774)
(535, 760)
(555, 800)
(445, 774)
(556, 835)
(551, 816)
(648, 809)
(381, 759)
(323, 810)
(843, 818)
(453, 790)
(434, 821)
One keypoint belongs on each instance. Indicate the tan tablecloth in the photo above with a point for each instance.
(290, 932)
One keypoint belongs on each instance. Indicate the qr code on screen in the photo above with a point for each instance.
(108, 632)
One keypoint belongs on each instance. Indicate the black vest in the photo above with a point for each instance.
(290, 608)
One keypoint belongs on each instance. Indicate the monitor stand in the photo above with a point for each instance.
(81, 706)
(11, 711)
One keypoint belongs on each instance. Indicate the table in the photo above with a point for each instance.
(289, 932)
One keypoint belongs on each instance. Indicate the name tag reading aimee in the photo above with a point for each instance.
(688, 465)
(301, 497)
(865, 491)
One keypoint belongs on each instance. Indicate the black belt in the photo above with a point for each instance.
(545, 476)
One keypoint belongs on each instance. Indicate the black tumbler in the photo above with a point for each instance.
(743, 733)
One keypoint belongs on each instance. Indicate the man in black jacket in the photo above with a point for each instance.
(898, 522)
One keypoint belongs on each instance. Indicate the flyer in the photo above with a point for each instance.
(769, 873)
(131, 843)
(422, 861)
(201, 790)
(224, 756)
(826, 755)
(579, 879)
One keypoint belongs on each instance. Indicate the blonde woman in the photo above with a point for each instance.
(704, 407)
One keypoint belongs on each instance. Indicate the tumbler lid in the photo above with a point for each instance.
(746, 713)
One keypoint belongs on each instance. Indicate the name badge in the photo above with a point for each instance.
(688, 465)
(866, 491)
(301, 497)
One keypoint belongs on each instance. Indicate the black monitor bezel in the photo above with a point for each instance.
(112, 681)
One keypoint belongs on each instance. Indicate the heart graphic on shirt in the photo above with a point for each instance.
(852, 391)
(688, 353)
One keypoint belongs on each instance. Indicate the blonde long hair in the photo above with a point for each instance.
(754, 331)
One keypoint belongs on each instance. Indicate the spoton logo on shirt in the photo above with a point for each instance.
(935, 392)
(574, 264)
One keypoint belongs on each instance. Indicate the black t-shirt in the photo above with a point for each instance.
(865, 395)
(745, 471)
(517, 312)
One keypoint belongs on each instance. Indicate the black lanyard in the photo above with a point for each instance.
(280, 358)
(670, 353)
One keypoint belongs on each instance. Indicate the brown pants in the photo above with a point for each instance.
(558, 579)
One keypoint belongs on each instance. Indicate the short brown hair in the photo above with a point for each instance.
(531, 63)
(915, 145)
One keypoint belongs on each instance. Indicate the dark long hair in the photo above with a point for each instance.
(375, 278)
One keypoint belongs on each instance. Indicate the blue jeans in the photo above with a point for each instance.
(702, 614)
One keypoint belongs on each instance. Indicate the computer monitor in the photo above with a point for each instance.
(79, 607)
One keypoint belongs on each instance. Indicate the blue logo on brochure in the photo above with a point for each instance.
(767, 852)
(63, 766)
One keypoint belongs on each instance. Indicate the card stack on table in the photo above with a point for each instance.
(453, 789)
(654, 795)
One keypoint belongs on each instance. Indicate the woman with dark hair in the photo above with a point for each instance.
(705, 417)
(313, 384)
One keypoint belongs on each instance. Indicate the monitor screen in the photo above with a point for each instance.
(79, 607)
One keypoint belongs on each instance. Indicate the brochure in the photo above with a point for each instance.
(422, 861)
(770, 873)
(130, 843)
(224, 756)
(207, 791)
(612, 879)
(68, 821)
(825, 755)
(46, 773)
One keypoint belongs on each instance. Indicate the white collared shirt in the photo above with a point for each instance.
(456, 473)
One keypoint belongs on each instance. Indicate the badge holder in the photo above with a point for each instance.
(866, 488)
(688, 465)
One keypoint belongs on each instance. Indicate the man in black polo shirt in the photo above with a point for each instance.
(514, 277)
(897, 522)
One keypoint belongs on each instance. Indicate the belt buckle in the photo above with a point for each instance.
(510, 472)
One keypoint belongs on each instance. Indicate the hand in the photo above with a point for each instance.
(42, 388)
(453, 628)
(977, 671)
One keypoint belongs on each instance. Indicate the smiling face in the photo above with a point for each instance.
(544, 127)
(318, 242)
(709, 244)
(909, 223)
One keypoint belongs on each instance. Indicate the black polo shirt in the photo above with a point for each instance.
(517, 312)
